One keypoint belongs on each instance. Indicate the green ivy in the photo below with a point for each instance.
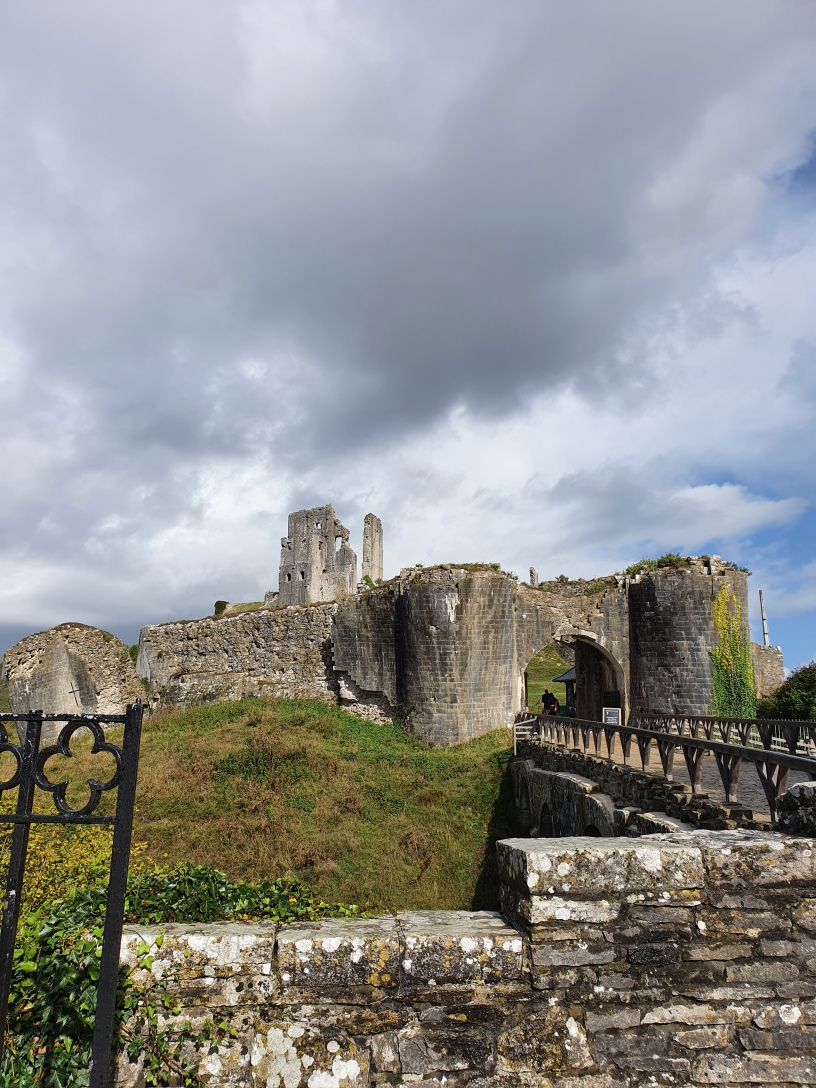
(56, 968)
(733, 692)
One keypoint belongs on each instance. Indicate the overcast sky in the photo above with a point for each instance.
(535, 282)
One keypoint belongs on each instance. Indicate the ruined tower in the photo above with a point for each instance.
(317, 563)
(372, 548)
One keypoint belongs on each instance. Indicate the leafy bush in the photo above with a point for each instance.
(220, 607)
(795, 700)
(670, 559)
(63, 857)
(133, 653)
(57, 957)
(594, 587)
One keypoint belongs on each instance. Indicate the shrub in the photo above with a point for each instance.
(795, 700)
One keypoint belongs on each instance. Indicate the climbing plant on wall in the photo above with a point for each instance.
(733, 692)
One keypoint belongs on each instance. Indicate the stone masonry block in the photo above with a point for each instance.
(340, 953)
(589, 868)
(444, 947)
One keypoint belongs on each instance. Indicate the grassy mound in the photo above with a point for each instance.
(357, 812)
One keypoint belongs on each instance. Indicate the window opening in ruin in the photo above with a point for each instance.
(318, 525)
(288, 577)
(338, 542)
(302, 575)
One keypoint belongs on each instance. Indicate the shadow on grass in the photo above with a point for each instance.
(502, 825)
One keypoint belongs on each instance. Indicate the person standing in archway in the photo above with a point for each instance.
(547, 700)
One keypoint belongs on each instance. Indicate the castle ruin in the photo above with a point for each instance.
(317, 563)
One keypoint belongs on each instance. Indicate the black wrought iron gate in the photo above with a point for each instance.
(28, 777)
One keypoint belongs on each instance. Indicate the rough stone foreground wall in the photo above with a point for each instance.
(70, 667)
(683, 959)
(769, 669)
(632, 801)
(669, 960)
(280, 653)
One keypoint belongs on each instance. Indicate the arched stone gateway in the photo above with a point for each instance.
(444, 649)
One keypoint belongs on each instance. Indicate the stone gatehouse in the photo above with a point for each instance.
(444, 649)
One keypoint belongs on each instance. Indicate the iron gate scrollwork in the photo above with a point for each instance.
(29, 776)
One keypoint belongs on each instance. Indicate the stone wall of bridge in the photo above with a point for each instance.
(576, 789)
(672, 960)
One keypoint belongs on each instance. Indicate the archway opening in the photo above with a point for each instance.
(543, 669)
(592, 831)
(598, 680)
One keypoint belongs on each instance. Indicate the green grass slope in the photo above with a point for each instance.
(546, 664)
(360, 813)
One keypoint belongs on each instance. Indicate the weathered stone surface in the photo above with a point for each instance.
(464, 999)
(70, 668)
(656, 867)
(754, 1069)
(340, 953)
(444, 649)
(278, 652)
(796, 809)
(316, 562)
(550, 1041)
(453, 947)
(769, 668)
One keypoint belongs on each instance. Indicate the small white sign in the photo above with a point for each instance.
(611, 715)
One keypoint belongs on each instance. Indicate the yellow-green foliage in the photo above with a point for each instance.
(733, 692)
(61, 859)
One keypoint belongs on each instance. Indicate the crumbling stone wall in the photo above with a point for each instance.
(72, 667)
(619, 963)
(317, 563)
(769, 669)
(672, 633)
(280, 653)
(444, 649)
(372, 548)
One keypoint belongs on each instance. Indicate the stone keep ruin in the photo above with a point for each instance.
(442, 650)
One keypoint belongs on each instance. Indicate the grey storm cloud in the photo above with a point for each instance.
(283, 233)
(394, 208)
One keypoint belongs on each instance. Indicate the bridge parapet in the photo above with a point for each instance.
(775, 748)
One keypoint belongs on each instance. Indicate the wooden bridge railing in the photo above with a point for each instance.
(774, 747)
